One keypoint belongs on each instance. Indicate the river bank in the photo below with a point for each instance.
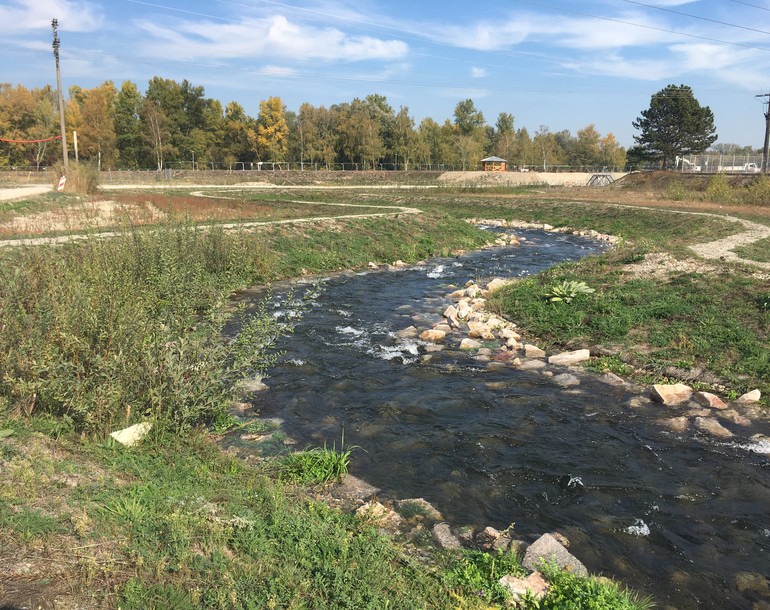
(120, 523)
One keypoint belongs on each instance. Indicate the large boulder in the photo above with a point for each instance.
(433, 336)
(671, 394)
(569, 358)
(750, 397)
(549, 550)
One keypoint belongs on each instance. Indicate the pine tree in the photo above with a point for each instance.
(674, 124)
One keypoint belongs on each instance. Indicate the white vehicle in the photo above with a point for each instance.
(746, 168)
(687, 166)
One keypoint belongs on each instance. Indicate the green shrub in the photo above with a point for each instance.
(719, 189)
(676, 191)
(758, 192)
(111, 331)
(577, 593)
(478, 573)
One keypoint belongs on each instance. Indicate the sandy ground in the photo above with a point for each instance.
(521, 178)
(21, 192)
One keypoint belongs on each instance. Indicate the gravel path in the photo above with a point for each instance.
(21, 192)
(721, 249)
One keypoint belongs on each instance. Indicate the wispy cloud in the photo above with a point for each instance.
(274, 36)
(18, 16)
(479, 72)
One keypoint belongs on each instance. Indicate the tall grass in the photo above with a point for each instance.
(108, 331)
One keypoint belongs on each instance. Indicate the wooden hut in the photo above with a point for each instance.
(493, 164)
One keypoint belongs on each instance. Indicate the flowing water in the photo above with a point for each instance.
(681, 517)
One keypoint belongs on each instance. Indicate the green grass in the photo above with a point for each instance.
(688, 318)
(757, 251)
(106, 332)
(316, 466)
(569, 591)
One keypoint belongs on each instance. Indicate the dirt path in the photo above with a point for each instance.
(721, 249)
(21, 192)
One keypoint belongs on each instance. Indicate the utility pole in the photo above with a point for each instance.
(767, 132)
(56, 44)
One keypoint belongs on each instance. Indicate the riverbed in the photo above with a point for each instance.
(682, 517)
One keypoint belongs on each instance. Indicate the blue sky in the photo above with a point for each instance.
(560, 63)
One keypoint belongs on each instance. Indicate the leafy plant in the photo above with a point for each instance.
(478, 573)
(578, 593)
(568, 290)
(719, 189)
(319, 465)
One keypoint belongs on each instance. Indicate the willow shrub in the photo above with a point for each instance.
(109, 331)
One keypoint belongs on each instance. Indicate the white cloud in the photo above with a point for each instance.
(268, 37)
(616, 65)
(478, 72)
(25, 15)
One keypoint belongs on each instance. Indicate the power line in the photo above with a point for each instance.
(763, 8)
(646, 27)
(668, 10)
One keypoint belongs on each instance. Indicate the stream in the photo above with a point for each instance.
(682, 517)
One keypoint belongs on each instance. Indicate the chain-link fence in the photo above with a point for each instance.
(713, 163)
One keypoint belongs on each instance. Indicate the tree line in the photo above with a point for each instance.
(174, 124)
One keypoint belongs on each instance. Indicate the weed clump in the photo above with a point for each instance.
(82, 178)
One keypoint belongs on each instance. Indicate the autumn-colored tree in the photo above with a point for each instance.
(27, 115)
(270, 138)
(91, 112)
(612, 154)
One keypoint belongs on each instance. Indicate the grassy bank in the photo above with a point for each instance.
(100, 334)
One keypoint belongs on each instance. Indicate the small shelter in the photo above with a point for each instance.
(493, 164)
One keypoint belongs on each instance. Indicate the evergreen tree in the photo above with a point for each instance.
(675, 124)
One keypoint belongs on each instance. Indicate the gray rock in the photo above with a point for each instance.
(532, 365)
(548, 549)
(707, 399)
(566, 380)
(750, 397)
(469, 344)
(518, 587)
(444, 537)
(612, 379)
(712, 427)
